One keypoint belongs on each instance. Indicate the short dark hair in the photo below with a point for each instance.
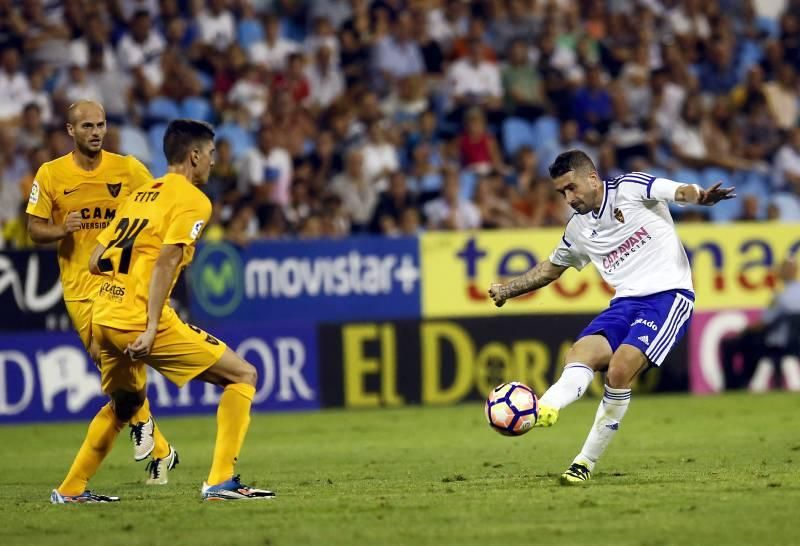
(571, 160)
(182, 135)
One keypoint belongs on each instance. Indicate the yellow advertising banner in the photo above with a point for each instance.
(733, 267)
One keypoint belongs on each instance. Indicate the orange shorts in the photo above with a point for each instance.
(180, 353)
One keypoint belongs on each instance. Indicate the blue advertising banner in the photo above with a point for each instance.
(350, 279)
(49, 377)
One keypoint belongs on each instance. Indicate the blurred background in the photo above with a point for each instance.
(380, 162)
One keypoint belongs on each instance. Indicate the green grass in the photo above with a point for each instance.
(718, 470)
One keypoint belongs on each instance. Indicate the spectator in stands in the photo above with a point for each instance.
(522, 86)
(293, 79)
(142, 45)
(781, 97)
(358, 195)
(786, 169)
(425, 178)
(31, 133)
(392, 203)
(477, 147)
(493, 201)
(96, 35)
(379, 154)
(78, 86)
(398, 55)
(591, 105)
(718, 73)
(474, 81)
(450, 211)
(250, 92)
(515, 23)
(111, 84)
(14, 88)
(274, 50)
(215, 25)
(325, 79)
(266, 171)
(354, 57)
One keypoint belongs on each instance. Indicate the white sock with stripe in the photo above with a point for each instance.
(606, 423)
(570, 386)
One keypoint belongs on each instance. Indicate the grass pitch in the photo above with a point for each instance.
(718, 470)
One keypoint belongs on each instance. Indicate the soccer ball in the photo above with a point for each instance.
(512, 409)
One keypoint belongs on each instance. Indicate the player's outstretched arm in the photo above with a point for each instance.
(695, 195)
(541, 275)
(43, 232)
(160, 282)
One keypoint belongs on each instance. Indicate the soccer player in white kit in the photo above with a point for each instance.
(623, 227)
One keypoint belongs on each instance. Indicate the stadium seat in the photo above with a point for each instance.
(769, 25)
(133, 141)
(158, 165)
(239, 139)
(248, 32)
(546, 129)
(155, 137)
(467, 181)
(162, 109)
(196, 108)
(517, 133)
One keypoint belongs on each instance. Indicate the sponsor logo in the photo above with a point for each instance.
(114, 189)
(34, 196)
(618, 216)
(645, 340)
(73, 190)
(216, 279)
(196, 229)
(613, 426)
(113, 292)
(649, 323)
(617, 257)
(352, 274)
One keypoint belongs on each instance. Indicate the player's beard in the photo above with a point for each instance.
(88, 151)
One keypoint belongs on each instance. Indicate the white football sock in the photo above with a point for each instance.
(570, 386)
(606, 423)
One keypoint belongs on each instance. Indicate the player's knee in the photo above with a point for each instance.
(126, 404)
(248, 374)
(618, 377)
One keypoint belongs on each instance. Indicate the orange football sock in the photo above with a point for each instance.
(233, 418)
(99, 438)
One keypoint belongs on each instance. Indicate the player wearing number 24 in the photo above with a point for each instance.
(140, 255)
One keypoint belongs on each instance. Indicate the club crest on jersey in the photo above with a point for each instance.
(113, 189)
(619, 217)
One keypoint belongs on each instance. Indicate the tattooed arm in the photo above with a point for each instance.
(541, 275)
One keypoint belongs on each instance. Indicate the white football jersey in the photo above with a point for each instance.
(632, 240)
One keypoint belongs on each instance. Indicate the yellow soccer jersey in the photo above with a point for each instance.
(61, 187)
(169, 211)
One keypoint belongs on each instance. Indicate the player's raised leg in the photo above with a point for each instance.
(626, 364)
(587, 355)
(238, 378)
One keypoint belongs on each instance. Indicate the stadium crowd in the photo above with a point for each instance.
(349, 116)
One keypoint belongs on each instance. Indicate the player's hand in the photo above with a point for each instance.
(142, 345)
(498, 294)
(715, 194)
(72, 223)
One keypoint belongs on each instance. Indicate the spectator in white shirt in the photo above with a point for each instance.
(96, 35)
(359, 196)
(250, 92)
(266, 171)
(451, 211)
(324, 78)
(79, 87)
(273, 51)
(216, 25)
(15, 91)
(786, 171)
(143, 45)
(380, 155)
(475, 81)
